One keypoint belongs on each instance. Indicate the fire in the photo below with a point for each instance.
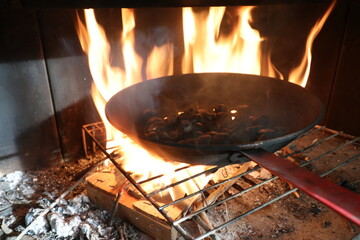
(164, 55)
(300, 74)
(207, 48)
(108, 80)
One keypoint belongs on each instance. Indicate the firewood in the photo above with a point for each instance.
(102, 188)
(223, 188)
(204, 222)
(146, 207)
(295, 193)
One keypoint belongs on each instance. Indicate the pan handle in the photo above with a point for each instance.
(338, 198)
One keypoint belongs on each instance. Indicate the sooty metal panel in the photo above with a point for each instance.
(28, 134)
(69, 77)
(344, 107)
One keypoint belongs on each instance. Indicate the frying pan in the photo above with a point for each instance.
(287, 105)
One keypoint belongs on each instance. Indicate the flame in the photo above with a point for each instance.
(207, 48)
(300, 74)
(108, 80)
(164, 55)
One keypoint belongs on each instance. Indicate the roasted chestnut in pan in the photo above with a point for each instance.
(218, 125)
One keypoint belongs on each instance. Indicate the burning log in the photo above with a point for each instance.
(103, 188)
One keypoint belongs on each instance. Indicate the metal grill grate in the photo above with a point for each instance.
(94, 136)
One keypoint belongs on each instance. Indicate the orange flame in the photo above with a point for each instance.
(300, 74)
(108, 80)
(206, 49)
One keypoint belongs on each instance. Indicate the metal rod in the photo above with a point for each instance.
(348, 136)
(181, 181)
(286, 193)
(209, 188)
(127, 175)
(117, 199)
(83, 136)
(177, 223)
(161, 175)
(245, 214)
(258, 185)
(222, 201)
(341, 165)
(203, 225)
(314, 130)
(328, 152)
(313, 145)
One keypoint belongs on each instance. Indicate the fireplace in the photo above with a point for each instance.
(240, 201)
(63, 80)
(47, 98)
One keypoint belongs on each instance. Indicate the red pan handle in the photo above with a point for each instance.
(338, 198)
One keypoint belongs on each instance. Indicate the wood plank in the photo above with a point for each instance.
(102, 188)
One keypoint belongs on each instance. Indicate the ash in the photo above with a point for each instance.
(24, 196)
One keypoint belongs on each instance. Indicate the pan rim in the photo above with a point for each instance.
(223, 147)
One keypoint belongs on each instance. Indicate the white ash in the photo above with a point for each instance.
(5, 229)
(76, 218)
(24, 238)
(6, 223)
(5, 209)
(79, 205)
(64, 227)
(15, 188)
(44, 202)
(19, 228)
(41, 225)
(14, 179)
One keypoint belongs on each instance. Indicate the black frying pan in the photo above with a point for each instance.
(287, 105)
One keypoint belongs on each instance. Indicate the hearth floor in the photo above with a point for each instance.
(23, 196)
